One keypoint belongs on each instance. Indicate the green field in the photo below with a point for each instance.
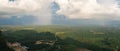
(65, 38)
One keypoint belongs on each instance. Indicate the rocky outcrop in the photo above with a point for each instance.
(17, 46)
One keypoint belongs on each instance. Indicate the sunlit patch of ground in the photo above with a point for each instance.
(28, 28)
(96, 32)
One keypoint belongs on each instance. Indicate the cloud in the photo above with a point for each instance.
(18, 6)
(74, 9)
(39, 8)
(89, 9)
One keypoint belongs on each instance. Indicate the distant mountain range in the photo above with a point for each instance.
(14, 20)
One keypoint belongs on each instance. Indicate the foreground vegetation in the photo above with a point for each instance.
(65, 38)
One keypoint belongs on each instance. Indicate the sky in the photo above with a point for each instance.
(42, 12)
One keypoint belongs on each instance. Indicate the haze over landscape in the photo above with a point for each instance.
(59, 25)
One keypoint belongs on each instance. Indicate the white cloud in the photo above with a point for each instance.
(38, 8)
(18, 6)
(74, 9)
(87, 9)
